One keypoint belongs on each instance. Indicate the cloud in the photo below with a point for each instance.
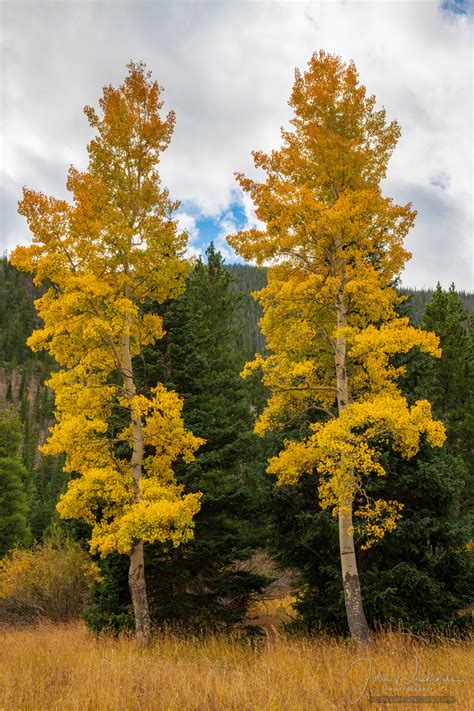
(228, 225)
(441, 251)
(227, 68)
(441, 180)
(187, 223)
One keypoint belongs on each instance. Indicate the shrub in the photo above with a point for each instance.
(50, 581)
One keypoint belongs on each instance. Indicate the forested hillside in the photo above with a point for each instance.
(247, 279)
(22, 376)
(420, 298)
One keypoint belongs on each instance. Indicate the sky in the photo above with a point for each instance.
(227, 68)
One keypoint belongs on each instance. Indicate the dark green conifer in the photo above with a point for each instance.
(204, 584)
(14, 482)
(450, 383)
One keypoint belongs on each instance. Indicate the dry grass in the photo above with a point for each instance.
(64, 667)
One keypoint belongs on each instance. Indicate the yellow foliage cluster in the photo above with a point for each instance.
(104, 493)
(346, 449)
(378, 517)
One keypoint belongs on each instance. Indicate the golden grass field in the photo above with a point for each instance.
(51, 667)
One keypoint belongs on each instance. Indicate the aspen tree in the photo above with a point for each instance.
(334, 244)
(103, 255)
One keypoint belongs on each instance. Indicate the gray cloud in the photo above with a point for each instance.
(441, 240)
(227, 68)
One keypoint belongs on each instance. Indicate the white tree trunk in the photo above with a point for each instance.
(136, 573)
(350, 577)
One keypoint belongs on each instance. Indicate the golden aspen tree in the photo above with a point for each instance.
(334, 244)
(103, 255)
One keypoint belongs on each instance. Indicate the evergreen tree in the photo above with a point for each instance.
(13, 484)
(49, 482)
(445, 314)
(450, 381)
(204, 583)
(467, 425)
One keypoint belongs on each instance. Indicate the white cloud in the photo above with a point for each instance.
(227, 225)
(251, 220)
(187, 223)
(228, 69)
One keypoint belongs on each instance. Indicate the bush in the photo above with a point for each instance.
(51, 581)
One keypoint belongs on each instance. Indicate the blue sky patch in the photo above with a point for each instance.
(215, 228)
(458, 7)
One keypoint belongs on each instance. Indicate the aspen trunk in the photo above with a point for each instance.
(358, 626)
(350, 576)
(137, 585)
(136, 572)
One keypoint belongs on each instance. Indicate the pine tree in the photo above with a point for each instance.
(203, 584)
(13, 485)
(451, 379)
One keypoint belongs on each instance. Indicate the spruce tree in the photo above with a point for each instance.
(451, 379)
(203, 584)
(14, 529)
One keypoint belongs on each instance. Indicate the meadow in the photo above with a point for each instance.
(50, 667)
